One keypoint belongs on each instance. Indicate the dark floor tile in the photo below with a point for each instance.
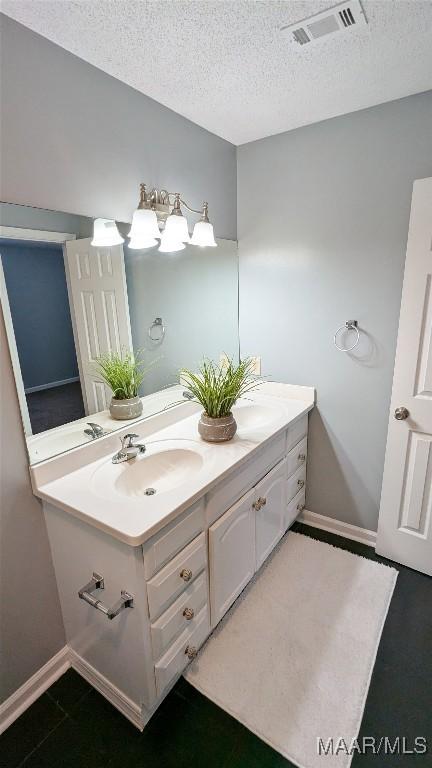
(68, 747)
(26, 733)
(251, 752)
(102, 726)
(68, 691)
(182, 736)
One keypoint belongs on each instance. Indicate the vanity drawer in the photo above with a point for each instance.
(297, 457)
(297, 431)
(176, 658)
(294, 508)
(173, 621)
(296, 482)
(235, 486)
(172, 538)
(166, 585)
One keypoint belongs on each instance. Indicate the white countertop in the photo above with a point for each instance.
(85, 483)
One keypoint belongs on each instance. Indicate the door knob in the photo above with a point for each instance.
(401, 413)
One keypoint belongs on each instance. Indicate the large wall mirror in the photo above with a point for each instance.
(65, 303)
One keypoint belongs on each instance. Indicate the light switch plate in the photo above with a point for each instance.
(256, 368)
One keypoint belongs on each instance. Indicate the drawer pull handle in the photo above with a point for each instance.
(97, 582)
(191, 651)
(261, 502)
(300, 507)
(302, 457)
(186, 574)
(188, 613)
(300, 483)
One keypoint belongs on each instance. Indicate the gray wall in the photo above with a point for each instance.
(38, 298)
(323, 217)
(31, 628)
(195, 291)
(75, 139)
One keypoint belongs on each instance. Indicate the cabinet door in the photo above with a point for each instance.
(231, 554)
(270, 503)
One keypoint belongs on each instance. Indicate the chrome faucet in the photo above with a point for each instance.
(128, 449)
(94, 431)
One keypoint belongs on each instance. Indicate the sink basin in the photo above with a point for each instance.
(164, 467)
(254, 415)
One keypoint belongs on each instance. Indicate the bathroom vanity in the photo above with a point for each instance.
(151, 553)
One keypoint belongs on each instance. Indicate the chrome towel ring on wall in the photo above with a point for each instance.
(156, 331)
(349, 325)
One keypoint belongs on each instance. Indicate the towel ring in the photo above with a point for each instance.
(349, 325)
(160, 333)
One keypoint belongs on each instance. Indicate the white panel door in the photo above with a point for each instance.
(100, 311)
(270, 504)
(405, 519)
(231, 555)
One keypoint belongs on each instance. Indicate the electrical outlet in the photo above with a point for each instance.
(223, 361)
(256, 368)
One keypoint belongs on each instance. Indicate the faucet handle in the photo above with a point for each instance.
(96, 428)
(127, 440)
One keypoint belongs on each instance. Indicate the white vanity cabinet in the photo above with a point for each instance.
(182, 579)
(270, 512)
(241, 540)
(231, 555)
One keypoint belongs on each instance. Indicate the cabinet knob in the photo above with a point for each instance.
(191, 651)
(261, 502)
(302, 457)
(186, 574)
(300, 483)
(401, 413)
(300, 507)
(188, 613)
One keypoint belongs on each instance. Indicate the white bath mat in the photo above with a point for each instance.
(293, 658)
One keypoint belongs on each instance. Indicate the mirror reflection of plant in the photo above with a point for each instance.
(218, 387)
(123, 372)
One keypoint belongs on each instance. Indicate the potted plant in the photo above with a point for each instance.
(217, 388)
(123, 372)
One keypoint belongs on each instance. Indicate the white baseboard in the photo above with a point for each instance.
(51, 385)
(338, 527)
(118, 699)
(16, 704)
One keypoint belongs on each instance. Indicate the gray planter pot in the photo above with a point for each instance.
(217, 430)
(130, 408)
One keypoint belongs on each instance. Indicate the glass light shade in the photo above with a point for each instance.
(105, 233)
(170, 244)
(144, 225)
(140, 243)
(203, 234)
(176, 228)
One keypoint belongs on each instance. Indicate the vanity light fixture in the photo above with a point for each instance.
(164, 212)
(159, 216)
(203, 231)
(105, 233)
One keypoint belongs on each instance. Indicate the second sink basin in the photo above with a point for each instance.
(165, 466)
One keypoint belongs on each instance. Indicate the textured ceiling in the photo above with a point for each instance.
(225, 65)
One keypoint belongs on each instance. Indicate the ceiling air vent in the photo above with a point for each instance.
(340, 18)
